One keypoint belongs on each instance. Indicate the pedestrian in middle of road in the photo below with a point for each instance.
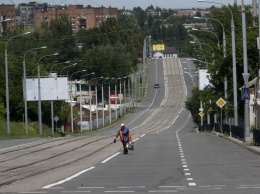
(125, 137)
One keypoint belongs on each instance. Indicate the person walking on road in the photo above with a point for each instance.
(125, 137)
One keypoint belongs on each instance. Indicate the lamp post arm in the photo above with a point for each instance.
(210, 32)
(67, 67)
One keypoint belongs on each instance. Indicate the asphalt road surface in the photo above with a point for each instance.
(169, 155)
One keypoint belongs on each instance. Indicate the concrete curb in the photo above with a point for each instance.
(242, 144)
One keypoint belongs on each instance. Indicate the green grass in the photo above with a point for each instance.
(17, 130)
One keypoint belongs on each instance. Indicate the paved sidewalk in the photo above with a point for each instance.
(253, 149)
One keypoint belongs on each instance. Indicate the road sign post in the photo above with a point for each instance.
(201, 113)
(221, 102)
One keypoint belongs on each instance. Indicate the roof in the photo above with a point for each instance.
(170, 50)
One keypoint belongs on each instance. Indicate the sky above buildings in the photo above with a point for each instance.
(130, 4)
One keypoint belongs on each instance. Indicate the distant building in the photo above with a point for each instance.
(201, 26)
(169, 52)
(26, 11)
(191, 12)
(7, 18)
(80, 17)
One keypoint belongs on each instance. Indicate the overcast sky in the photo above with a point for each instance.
(129, 4)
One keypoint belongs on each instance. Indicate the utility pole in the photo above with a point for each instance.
(254, 11)
(245, 74)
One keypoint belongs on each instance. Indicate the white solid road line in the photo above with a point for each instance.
(104, 161)
(69, 178)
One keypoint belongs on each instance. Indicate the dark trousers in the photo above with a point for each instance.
(124, 146)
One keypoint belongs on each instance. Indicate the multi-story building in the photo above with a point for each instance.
(7, 18)
(79, 16)
(191, 12)
(25, 12)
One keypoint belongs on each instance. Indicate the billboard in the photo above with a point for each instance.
(51, 89)
(158, 47)
(204, 79)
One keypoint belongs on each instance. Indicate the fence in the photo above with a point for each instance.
(238, 132)
(256, 134)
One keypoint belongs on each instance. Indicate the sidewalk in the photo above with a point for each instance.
(253, 149)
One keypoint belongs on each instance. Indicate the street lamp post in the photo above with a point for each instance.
(124, 91)
(67, 67)
(7, 83)
(129, 91)
(103, 117)
(144, 60)
(71, 108)
(245, 74)
(116, 94)
(233, 60)
(52, 114)
(120, 100)
(81, 99)
(90, 103)
(224, 34)
(202, 43)
(96, 100)
(109, 99)
(58, 64)
(224, 55)
(39, 93)
(24, 88)
(208, 32)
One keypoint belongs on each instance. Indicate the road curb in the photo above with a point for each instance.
(253, 149)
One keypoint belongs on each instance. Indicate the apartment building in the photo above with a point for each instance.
(7, 18)
(191, 12)
(80, 17)
(26, 11)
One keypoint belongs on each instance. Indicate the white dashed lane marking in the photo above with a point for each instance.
(184, 163)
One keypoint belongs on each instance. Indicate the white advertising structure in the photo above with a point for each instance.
(204, 79)
(51, 89)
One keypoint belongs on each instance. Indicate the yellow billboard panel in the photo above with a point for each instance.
(158, 47)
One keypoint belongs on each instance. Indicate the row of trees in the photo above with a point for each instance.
(222, 67)
(110, 50)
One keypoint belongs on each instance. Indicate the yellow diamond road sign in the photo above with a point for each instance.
(201, 114)
(221, 102)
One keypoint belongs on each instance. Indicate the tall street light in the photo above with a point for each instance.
(109, 98)
(71, 109)
(129, 91)
(67, 67)
(96, 99)
(81, 98)
(90, 102)
(52, 114)
(103, 115)
(208, 32)
(224, 55)
(245, 74)
(144, 60)
(39, 93)
(224, 34)
(116, 94)
(124, 90)
(66, 62)
(233, 59)
(24, 88)
(7, 83)
(202, 43)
